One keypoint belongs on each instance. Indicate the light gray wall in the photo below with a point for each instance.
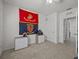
(11, 25)
(1, 21)
(43, 23)
(44, 7)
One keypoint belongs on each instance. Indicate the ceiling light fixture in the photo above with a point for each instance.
(49, 1)
(53, 1)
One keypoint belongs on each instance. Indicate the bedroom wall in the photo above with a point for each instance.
(11, 25)
(43, 23)
(1, 22)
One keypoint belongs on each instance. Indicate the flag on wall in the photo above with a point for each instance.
(28, 17)
(28, 22)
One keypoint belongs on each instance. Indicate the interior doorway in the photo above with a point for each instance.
(71, 30)
(66, 29)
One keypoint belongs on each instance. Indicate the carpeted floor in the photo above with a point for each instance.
(46, 50)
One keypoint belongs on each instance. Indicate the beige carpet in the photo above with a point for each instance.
(46, 50)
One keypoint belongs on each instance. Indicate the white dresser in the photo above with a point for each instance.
(31, 39)
(41, 38)
(21, 42)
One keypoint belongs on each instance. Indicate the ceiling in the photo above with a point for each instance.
(42, 6)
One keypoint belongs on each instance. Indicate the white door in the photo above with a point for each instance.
(52, 28)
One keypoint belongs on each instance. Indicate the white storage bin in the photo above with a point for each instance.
(31, 39)
(41, 38)
(21, 42)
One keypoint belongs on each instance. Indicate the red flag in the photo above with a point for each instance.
(28, 17)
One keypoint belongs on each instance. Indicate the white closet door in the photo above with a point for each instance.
(52, 28)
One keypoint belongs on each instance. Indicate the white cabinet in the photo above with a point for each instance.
(21, 42)
(31, 39)
(41, 38)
